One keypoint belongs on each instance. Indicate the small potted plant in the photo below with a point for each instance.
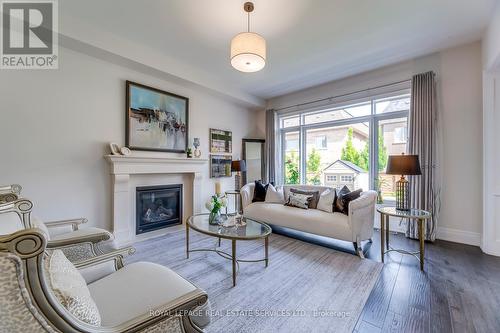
(189, 153)
(214, 205)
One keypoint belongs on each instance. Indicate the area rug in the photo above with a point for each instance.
(305, 288)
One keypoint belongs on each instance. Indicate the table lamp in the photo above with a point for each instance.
(238, 167)
(403, 165)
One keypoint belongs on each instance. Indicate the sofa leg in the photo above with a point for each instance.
(358, 249)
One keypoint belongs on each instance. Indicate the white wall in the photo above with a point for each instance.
(460, 105)
(491, 42)
(55, 126)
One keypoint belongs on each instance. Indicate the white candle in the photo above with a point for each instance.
(217, 188)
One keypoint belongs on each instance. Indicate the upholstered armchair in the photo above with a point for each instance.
(77, 243)
(42, 291)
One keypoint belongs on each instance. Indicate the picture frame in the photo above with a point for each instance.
(156, 120)
(220, 166)
(221, 141)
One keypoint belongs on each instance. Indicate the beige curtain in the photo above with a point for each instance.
(423, 141)
(270, 145)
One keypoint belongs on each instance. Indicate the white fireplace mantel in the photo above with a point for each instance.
(122, 168)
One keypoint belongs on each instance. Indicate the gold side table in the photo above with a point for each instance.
(418, 214)
(237, 199)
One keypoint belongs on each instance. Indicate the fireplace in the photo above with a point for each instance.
(158, 207)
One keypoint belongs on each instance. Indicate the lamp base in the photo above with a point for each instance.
(237, 181)
(403, 194)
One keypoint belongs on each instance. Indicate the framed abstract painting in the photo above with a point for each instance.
(156, 120)
(220, 166)
(221, 141)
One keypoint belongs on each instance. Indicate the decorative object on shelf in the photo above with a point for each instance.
(220, 166)
(125, 151)
(221, 141)
(115, 150)
(238, 167)
(248, 49)
(189, 153)
(156, 120)
(196, 145)
(214, 205)
(217, 188)
(403, 165)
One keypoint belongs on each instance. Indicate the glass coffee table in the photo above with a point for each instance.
(251, 231)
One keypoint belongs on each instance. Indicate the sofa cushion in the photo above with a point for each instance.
(326, 201)
(314, 221)
(275, 195)
(259, 192)
(344, 196)
(299, 200)
(313, 203)
(70, 288)
(135, 290)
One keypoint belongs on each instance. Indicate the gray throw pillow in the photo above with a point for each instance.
(313, 203)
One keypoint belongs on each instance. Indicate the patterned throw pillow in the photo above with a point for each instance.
(70, 288)
(344, 197)
(298, 200)
(313, 203)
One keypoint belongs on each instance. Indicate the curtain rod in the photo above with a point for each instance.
(343, 95)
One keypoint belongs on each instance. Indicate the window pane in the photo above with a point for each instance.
(345, 160)
(393, 137)
(400, 103)
(348, 112)
(290, 122)
(292, 158)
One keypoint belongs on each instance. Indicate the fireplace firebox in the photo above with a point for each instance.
(158, 207)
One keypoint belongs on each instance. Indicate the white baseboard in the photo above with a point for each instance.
(459, 236)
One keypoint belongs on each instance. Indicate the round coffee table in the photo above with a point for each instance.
(251, 231)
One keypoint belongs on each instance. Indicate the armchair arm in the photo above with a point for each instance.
(361, 216)
(100, 266)
(73, 222)
(90, 238)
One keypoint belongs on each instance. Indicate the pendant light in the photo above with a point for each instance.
(248, 49)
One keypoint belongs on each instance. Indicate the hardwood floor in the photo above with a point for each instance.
(458, 292)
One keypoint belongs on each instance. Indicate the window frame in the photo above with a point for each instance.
(373, 122)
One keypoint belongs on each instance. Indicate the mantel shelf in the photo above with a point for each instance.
(153, 159)
(154, 164)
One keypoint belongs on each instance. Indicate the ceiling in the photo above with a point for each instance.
(309, 41)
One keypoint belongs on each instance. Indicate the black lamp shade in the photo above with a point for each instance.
(237, 166)
(403, 165)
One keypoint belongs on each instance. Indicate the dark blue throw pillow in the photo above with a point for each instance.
(259, 193)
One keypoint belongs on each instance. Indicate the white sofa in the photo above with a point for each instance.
(355, 227)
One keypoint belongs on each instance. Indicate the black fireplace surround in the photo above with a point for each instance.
(158, 207)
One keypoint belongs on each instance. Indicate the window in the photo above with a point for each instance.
(346, 179)
(321, 142)
(331, 178)
(393, 136)
(347, 143)
(400, 134)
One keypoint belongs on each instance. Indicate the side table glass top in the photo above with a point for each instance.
(412, 213)
(252, 229)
